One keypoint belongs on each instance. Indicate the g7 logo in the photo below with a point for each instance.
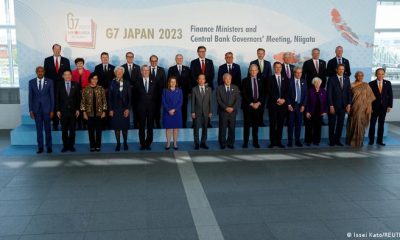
(72, 22)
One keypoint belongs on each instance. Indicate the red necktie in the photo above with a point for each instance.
(203, 67)
(57, 65)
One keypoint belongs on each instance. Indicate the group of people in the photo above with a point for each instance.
(106, 98)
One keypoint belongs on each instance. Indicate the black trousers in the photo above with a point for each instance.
(336, 122)
(313, 129)
(277, 116)
(226, 120)
(379, 116)
(251, 119)
(95, 128)
(68, 121)
(146, 121)
(200, 122)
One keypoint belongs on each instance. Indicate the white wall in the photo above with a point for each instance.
(10, 116)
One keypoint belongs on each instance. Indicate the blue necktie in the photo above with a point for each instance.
(228, 93)
(68, 88)
(298, 92)
(146, 85)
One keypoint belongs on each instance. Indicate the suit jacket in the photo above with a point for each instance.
(332, 64)
(292, 92)
(267, 71)
(247, 92)
(135, 74)
(384, 100)
(273, 92)
(50, 69)
(283, 73)
(312, 100)
(336, 96)
(201, 106)
(145, 99)
(117, 99)
(224, 102)
(160, 80)
(41, 101)
(309, 72)
(195, 67)
(184, 79)
(105, 78)
(68, 104)
(235, 72)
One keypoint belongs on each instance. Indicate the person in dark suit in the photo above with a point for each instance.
(339, 100)
(264, 73)
(383, 104)
(202, 65)
(201, 111)
(338, 59)
(287, 67)
(119, 103)
(146, 90)
(105, 74)
(228, 95)
(68, 100)
(232, 68)
(54, 67)
(184, 77)
(252, 97)
(278, 93)
(132, 75)
(41, 106)
(314, 67)
(296, 105)
(158, 75)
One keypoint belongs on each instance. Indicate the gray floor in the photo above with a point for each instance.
(320, 193)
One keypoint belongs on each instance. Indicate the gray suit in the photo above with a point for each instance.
(201, 106)
(227, 120)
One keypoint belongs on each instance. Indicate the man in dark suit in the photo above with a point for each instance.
(314, 67)
(158, 75)
(232, 68)
(146, 91)
(338, 59)
(383, 104)
(339, 100)
(54, 67)
(228, 100)
(201, 111)
(105, 73)
(296, 104)
(67, 105)
(184, 79)
(202, 65)
(253, 95)
(264, 73)
(287, 67)
(278, 93)
(132, 75)
(41, 106)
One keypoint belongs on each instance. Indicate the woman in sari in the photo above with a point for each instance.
(361, 108)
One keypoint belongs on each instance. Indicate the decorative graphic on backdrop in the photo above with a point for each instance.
(80, 32)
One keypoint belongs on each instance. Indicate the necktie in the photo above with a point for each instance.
(317, 65)
(146, 85)
(340, 61)
(261, 63)
(130, 70)
(57, 67)
(180, 69)
(228, 93)
(298, 92)
(341, 82)
(255, 89)
(229, 68)
(40, 85)
(68, 88)
(153, 72)
(288, 71)
(203, 67)
(279, 85)
(380, 86)
(105, 67)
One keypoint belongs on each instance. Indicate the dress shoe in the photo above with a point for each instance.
(72, 149)
(118, 147)
(245, 145)
(142, 147)
(203, 145)
(209, 125)
(331, 144)
(98, 149)
(308, 144)
(316, 144)
(92, 149)
(381, 144)
(64, 149)
(167, 148)
(298, 144)
(126, 147)
(370, 143)
(270, 145)
(256, 145)
(262, 125)
(49, 150)
(196, 146)
(290, 145)
(148, 148)
(222, 147)
(176, 148)
(39, 151)
(280, 145)
(231, 147)
(339, 144)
